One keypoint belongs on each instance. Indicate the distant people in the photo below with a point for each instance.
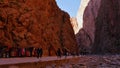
(7, 52)
(19, 52)
(59, 52)
(65, 52)
(23, 52)
(31, 51)
(34, 52)
(0, 52)
(39, 52)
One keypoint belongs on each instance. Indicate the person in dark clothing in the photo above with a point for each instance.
(31, 50)
(19, 52)
(64, 52)
(59, 52)
(39, 52)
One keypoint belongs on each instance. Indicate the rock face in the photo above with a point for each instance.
(37, 23)
(80, 13)
(107, 28)
(84, 41)
(89, 17)
(101, 22)
(74, 24)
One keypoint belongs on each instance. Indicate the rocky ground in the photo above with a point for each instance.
(109, 61)
(86, 61)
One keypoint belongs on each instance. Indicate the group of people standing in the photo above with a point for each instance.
(61, 52)
(7, 52)
(39, 52)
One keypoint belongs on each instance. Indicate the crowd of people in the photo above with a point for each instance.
(8, 52)
(63, 52)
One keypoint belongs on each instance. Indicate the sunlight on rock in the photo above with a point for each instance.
(80, 13)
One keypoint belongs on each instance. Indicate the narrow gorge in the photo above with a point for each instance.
(101, 27)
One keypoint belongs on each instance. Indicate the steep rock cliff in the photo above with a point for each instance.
(84, 41)
(74, 23)
(36, 23)
(80, 13)
(107, 28)
(101, 22)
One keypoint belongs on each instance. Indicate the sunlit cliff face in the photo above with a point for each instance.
(80, 13)
(74, 24)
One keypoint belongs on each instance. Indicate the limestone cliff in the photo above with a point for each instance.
(101, 22)
(37, 23)
(74, 24)
(80, 13)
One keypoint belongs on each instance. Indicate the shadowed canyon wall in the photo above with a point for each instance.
(107, 24)
(101, 24)
(36, 23)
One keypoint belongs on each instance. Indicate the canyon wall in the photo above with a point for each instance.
(101, 24)
(107, 28)
(35, 23)
(74, 24)
(80, 13)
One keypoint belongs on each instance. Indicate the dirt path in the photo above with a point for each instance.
(86, 61)
(6, 61)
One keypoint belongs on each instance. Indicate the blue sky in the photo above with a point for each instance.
(70, 6)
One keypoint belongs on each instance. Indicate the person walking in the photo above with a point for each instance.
(39, 52)
(59, 53)
(65, 52)
(31, 51)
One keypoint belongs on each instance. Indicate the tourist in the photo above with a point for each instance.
(59, 52)
(65, 52)
(39, 52)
